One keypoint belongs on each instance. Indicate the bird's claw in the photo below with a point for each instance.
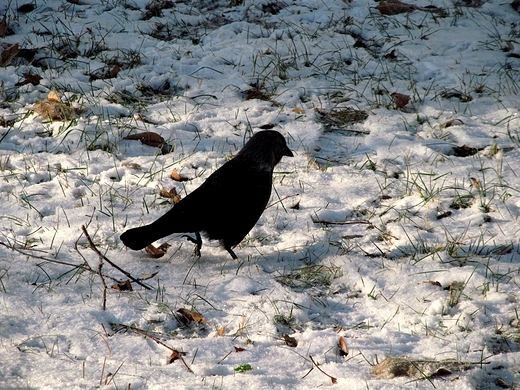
(197, 241)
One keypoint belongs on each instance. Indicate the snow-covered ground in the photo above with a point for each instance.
(394, 228)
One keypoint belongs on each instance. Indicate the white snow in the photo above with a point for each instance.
(400, 245)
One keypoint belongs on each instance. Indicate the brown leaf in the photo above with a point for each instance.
(114, 71)
(475, 183)
(29, 78)
(295, 206)
(123, 286)
(52, 110)
(172, 194)
(164, 246)
(392, 56)
(433, 282)
(192, 316)
(131, 165)
(8, 53)
(54, 96)
(148, 138)
(3, 27)
(27, 7)
(451, 122)
(177, 176)
(464, 151)
(290, 341)
(395, 7)
(299, 111)
(400, 99)
(508, 46)
(239, 349)
(516, 5)
(342, 345)
(154, 252)
(175, 356)
(6, 122)
(221, 332)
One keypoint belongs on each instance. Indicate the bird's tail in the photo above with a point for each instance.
(140, 237)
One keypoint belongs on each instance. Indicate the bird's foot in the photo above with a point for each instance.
(197, 241)
(232, 253)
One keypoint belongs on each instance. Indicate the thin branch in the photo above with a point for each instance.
(334, 380)
(103, 257)
(104, 285)
(146, 334)
(350, 222)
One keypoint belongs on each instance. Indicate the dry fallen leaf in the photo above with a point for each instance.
(395, 7)
(29, 78)
(123, 286)
(154, 252)
(299, 111)
(393, 367)
(8, 53)
(290, 341)
(3, 27)
(475, 183)
(451, 122)
(221, 332)
(114, 71)
(54, 96)
(174, 356)
(295, 206)
(239, 349)
(131, 165)
(192, 316)
(464, 151)
(27, 7)
(177, 176)
(53, 110)
(400, 100)
(342, 345)
(433, 282)
(172, 194)
(148, 138)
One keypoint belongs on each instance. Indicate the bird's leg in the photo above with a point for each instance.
(232, 253)
(197, 241)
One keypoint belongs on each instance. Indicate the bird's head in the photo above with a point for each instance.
(266, 149)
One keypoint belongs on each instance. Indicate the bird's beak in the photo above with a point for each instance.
(287, 152)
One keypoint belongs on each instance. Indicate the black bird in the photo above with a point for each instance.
(228, 204)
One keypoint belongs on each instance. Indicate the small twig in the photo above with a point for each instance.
(104, 285)
(194, 355)
(281, 200)
(146, 334)
(350, 222)
(224, 358)
(85, 267)
(105, 339)
(101, 256)
(334, 380)
(107, 382)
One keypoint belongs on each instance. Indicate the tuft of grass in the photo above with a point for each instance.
(309, 276)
